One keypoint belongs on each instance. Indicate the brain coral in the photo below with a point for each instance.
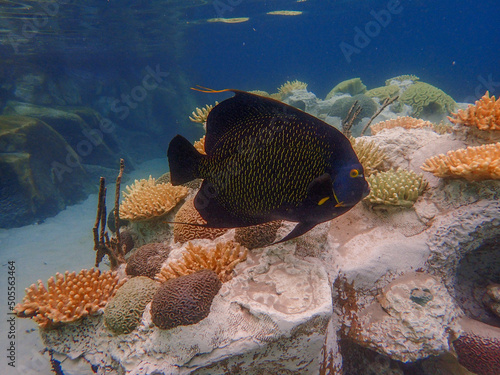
(188, 214)
(69, 297)
(405, 122)
(395, 188)
(221, 259)
(484, 115)
(123, 313)
(147, 260)
(383, 92)
(146, 199)
(402, 78)
(472, 163)
(427, 99)
(258, 235)
(184, 300)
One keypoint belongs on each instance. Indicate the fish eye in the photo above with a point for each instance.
(354, 173)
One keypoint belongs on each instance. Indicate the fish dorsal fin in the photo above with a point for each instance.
(242, 110)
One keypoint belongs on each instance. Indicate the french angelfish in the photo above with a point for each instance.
(266, 161)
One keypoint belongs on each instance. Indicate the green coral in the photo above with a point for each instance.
(427, 99)
(395, 188)
(352, 86)
(383, 92)
(124, 312)
(342, 106)
(401, 78)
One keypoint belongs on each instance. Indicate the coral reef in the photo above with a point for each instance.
(69, 297)
(369, 154)
(478, 347)
(352, 87)
(395, 188)
(221, 259)
(404, 122)
(185, 300)
(200, 114)
(188, 214)
(402, 78)
(258, 235)
(146, 199)
(473, 163)
(426, 99)
(147, 260)
(124, 311)
(383, 92)
(342, 106)
(286, 88)
(200, 145)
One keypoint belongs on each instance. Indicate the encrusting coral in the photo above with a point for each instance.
(484, 115)
(221, 259)
(147, 260)
(200, 114)
(124, 312)
(288, 87)
(184, 300)
(257, 235)
(425, 98)
(472, 163)
(370, 155)
(69, 297)
(405, 122)
(146, 199)
(395, 188)
(188, 214)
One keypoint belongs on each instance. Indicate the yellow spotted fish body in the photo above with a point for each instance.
(268, 161)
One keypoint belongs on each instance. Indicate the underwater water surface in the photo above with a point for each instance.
(85, 84)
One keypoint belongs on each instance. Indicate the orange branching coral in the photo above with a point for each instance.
(200, 145)
(485, 115)
(200, 114)
(402, 122)
(471, 163)
(188, 214)
(69, 297)
(221, 259)
(146, 199)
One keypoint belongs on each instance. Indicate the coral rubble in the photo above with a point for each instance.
(185, 300)
(221, 259)
(473, 163)
(68, 297)
(146, 199)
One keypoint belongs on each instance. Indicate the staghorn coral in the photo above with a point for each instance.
(188, 214)
(221, 259)
(401, 78)
(147, 260)
(69, 297)
(395, 188)
(258, 235)
(484, 115)
(369, 154)
(288, 87)
(472, 163)
(184, 300)
(352, 86)
(384, 92)
(426, 99)
(200, 114)
(124, 312)
(146, 199)
(200, 145)
(405, 122)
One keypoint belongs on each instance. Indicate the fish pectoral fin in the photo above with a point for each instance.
(320, 189)
(299, 230)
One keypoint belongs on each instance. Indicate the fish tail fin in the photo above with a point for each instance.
(183, 160)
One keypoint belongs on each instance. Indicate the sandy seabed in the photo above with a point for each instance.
(60, 243)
